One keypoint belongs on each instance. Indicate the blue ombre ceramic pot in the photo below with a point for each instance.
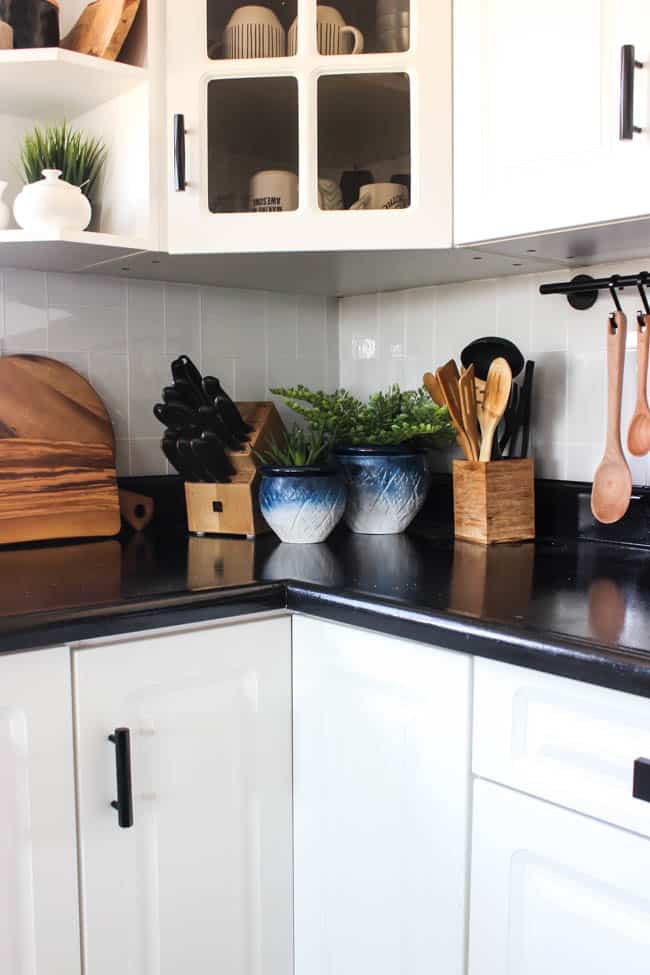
(302, 504)
(387, 486)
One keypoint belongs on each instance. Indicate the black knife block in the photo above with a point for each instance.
(233, 508)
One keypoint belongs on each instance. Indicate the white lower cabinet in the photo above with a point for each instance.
(39, 909)
(381, 803)
(202, 881)
(554, 891)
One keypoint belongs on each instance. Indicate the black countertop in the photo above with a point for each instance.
(576, 608)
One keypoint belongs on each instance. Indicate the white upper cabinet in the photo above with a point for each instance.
(259, 132)
(201, 882)
(537, 106)
(39, 910)
(554, 892)
(381, 803)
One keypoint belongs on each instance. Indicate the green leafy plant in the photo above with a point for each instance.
(79, 157)
(386, 419)
(298, 449)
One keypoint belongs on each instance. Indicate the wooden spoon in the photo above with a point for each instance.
(497, 396)
(432, 387)
(468, 409)
(638, 435)
(448, 377)
(612, 489)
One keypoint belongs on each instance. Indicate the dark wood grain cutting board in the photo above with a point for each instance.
(57, 454)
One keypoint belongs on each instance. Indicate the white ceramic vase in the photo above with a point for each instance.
(5, 212)
(52, 206)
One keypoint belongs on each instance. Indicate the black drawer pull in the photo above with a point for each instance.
(121, 738)
(179, 154)
(641, 784)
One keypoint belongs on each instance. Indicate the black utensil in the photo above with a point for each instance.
(231, 415)
(171, 395)
(210, 418)
(209, 454)
(188, 393)
(169, 447)
(194, 470)
(184, 370)
(483, 351)
(526, 401)
(176, 416)
(509, 420)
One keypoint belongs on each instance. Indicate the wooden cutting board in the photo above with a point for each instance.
(57, 454)
(102, 28)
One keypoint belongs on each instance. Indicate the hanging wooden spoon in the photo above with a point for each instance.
(497, 395)
(638, 434)
(612, 489)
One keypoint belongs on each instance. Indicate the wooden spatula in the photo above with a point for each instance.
(448, 377)
(638, 434)
(497, 395)
(468, 409)
(612, 488)
(432, 387)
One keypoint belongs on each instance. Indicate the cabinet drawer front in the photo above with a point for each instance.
(569, 742)
(553, 891)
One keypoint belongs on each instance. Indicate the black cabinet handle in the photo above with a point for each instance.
(641, 784)
(121, 738)
(628, 65)
(179, 154)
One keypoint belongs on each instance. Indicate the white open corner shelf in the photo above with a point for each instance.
(47, 81)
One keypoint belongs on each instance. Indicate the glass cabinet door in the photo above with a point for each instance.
(309, 126)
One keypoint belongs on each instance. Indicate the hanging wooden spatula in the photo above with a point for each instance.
(468, 409)
(638, 434)
(448, 377)
(497, 396)
(612, 488)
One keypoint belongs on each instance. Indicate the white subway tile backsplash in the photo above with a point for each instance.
(568, 346)
(123, 337)
(25, 304)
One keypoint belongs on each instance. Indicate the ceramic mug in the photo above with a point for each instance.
(382, 196)
(331, 32)
(254, 32)
(329, 195)
(273, 190)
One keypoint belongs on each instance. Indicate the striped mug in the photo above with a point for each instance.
(332, 32)
(254, 32)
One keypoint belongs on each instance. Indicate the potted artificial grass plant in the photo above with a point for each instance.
(302, 496)
(60, 167)
(382, 448)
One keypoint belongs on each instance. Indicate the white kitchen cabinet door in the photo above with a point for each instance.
(553, 891)
(312, 115)
(381, 803)
(39, 909)
(201, 882)
(536, 115)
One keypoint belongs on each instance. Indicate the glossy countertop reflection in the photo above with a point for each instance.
(577, 608)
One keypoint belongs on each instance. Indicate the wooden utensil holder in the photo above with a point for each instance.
(494, 502)
(233, 508)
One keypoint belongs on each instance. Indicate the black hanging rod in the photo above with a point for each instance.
(582, 291)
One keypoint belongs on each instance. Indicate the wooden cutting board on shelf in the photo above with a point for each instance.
(102, 28)
(57, 454)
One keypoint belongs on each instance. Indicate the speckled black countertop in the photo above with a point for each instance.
(576, 608)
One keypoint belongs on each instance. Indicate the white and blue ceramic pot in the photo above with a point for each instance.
(302, 504)
(387, 486)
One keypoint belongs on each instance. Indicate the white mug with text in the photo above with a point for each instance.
(273, 191)
(382, 196)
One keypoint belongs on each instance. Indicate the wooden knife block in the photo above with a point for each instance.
(495, 501)
(233, 509)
